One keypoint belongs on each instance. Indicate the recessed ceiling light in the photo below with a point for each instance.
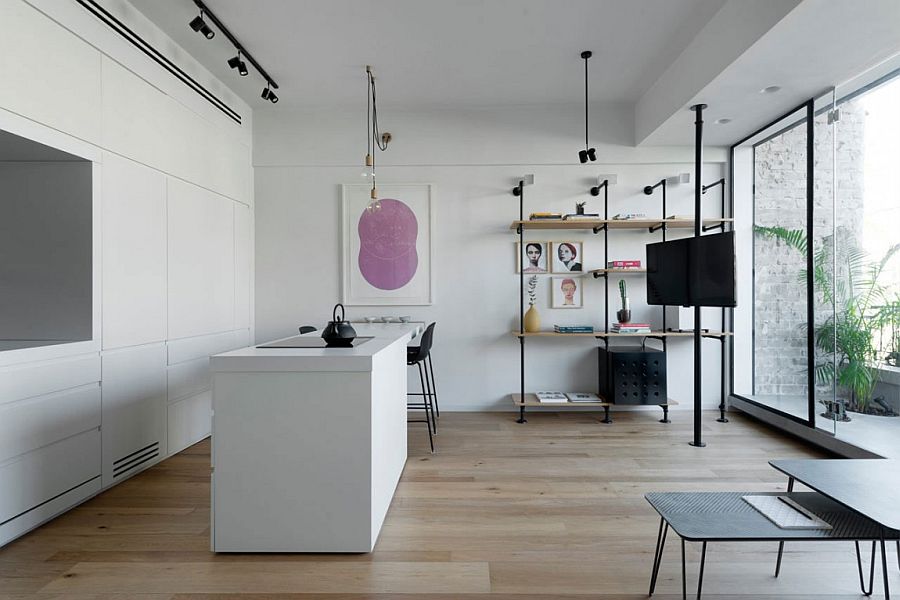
(770, 90)
(723, 121)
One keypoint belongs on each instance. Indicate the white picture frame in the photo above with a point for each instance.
(543, 265)
(559, 295)
(556, 262)
(396, 270)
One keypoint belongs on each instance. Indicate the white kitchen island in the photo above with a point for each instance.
(308, 444)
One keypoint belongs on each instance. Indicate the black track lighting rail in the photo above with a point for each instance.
(240, 48)
(155, 55)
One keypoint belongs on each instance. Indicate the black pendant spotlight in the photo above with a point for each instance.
(200, 26)
(588, 153)
(237, 63)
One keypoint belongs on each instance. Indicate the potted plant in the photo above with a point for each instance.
(532, 320)
(623, 314)
(848, 338)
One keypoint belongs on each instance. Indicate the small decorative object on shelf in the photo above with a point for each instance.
(628, 216)
(623, 314)
(579, 207)
(532, 320)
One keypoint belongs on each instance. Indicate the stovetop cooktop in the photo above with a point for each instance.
(311, 341)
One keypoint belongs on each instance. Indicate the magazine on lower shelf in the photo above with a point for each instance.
(583, 397)
(551, 397)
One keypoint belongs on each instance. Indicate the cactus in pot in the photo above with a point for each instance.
(623, 314)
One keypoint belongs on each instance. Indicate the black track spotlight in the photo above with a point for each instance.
(268, 94)
(237, 63)
(583, 156)
(200, 26)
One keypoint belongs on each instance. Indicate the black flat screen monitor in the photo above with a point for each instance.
(692, 271)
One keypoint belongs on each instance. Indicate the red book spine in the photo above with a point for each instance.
(619, 264)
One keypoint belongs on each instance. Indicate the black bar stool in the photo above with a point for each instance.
(419, 356)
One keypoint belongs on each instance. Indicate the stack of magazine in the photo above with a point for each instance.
(573, 328)
(631, 327)
(551, 397)
(565, 397)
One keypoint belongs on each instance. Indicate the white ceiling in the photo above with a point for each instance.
(818, 45)
(442, 53)
(468, 53)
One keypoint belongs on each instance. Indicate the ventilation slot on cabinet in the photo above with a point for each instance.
(135, 459)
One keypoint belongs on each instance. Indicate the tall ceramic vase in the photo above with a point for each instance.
(532, 320)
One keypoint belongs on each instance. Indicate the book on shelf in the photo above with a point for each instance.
(583, 397)
(629, 216)
(623, 264)
(631, 328)
(551, 397)
(581, 217)
(573, 328)
(545, 216)
(681, 217)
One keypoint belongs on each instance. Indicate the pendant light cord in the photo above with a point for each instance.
(376, 133)
(586, 103)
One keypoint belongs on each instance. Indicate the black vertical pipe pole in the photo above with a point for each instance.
(810, 289)
(520, 192)
(606, 256)
(698, 219)
(722, 418)
(664, 228)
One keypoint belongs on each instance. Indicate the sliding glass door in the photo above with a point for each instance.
(816, 201)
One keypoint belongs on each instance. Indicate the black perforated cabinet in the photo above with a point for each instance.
(633, 375)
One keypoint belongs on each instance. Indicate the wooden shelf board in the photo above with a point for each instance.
(615, 223)
(531, 400)
(601, 334)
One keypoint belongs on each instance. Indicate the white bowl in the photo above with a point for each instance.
(371, 319)
(387, 320)
(405, 319)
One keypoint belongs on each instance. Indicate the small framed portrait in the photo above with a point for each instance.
(535, 257)
(566, 292)
(567, 257)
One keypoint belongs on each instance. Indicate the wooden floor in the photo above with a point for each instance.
(550, 509)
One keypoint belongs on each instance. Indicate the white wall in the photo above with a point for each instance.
(473, 158)
(172, 220)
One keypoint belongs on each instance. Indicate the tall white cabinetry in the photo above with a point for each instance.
(172, 262)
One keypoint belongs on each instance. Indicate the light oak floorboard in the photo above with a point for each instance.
(549, 510)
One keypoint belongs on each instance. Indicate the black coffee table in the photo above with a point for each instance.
(869, 487)
(726, 517)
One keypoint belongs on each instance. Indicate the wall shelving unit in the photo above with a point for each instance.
(522, 399)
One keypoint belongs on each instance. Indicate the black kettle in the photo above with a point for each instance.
(338, 333)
